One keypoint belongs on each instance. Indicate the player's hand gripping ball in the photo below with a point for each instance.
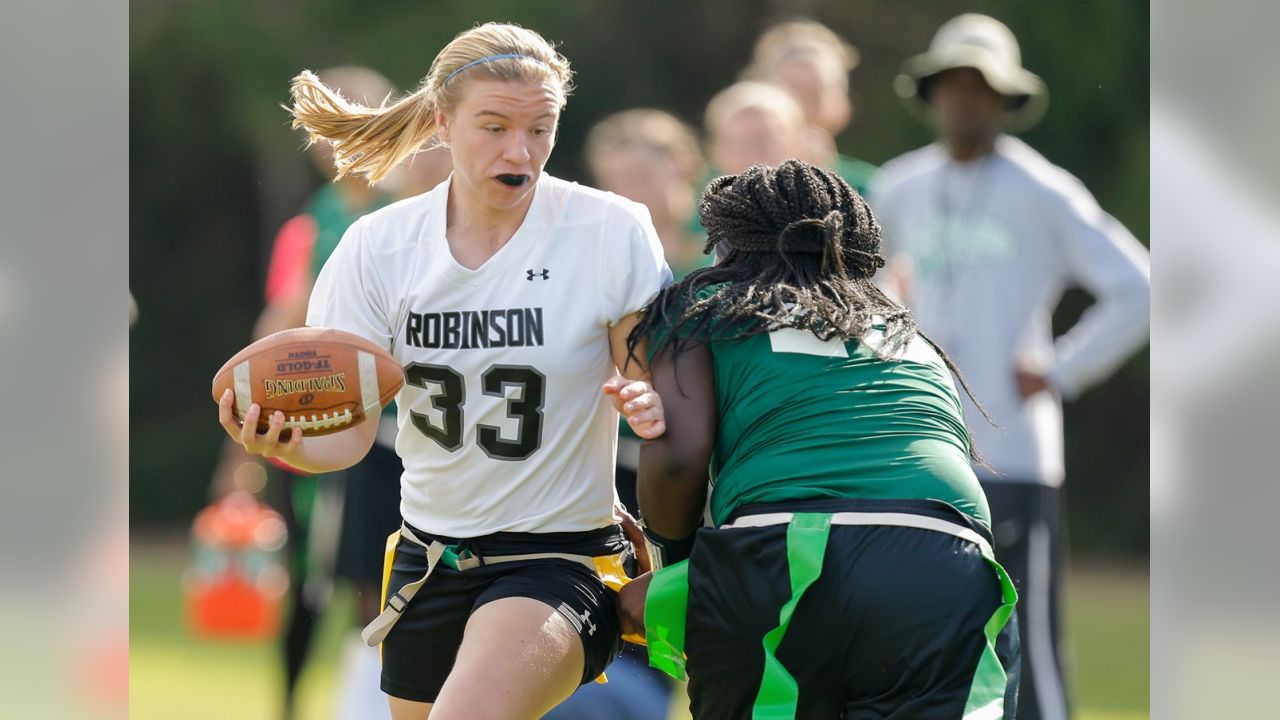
(322, 380)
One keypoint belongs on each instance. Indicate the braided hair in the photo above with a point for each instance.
(802, 248)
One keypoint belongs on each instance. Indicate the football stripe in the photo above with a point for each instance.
(244, 389)
(368, 366)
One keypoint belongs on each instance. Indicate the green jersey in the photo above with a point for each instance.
(800, 418)
(855, 172)
(332, 218)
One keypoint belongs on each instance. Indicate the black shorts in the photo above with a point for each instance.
(892, 628)
(370, 512)
(419, 652)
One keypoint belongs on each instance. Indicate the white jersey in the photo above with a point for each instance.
(502, 425)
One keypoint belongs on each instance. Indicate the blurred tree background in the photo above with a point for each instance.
(215, 170)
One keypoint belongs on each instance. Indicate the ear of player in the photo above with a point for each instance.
(322, 380)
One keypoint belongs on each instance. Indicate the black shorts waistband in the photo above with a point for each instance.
(937, 509)
(607, 540)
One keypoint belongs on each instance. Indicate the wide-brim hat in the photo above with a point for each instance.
(988, 46)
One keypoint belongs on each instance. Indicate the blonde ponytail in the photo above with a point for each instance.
(372, 141)
(365, 140)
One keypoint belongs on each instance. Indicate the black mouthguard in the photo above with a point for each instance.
(513, 180)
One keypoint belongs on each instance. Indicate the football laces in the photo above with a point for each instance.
(319, 422)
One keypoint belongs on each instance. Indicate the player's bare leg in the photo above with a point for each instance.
(402, 709)
(519, 658)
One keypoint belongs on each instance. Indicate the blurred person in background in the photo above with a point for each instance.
(497, 577)
(339, 522)
(992, 233)
(750, 123)
(810, 61)
(308, 239)
(653, 158)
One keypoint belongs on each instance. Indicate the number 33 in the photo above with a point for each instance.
(494, 382)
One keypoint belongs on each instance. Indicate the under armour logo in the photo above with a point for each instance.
(586, 618)
(545, 274)
(579, 620)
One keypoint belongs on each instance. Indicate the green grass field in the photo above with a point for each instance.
(174, 675)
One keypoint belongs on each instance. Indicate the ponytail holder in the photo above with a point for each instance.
(833, 223)
(492, 58)
(830, 227)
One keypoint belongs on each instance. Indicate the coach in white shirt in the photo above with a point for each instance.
(986, 235)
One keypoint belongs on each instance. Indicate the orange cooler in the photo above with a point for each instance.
(237, 581)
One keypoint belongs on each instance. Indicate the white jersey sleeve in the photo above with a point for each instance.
(634, 268)
(349, 293)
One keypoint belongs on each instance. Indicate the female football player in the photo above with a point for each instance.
(507, 295)
(849, 571)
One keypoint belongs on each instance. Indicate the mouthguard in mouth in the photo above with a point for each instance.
(513, 180)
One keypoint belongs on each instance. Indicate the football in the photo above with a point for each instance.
(323, 380)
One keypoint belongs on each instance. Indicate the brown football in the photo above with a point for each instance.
(322, 380)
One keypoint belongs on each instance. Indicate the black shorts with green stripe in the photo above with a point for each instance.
(418, 653)
(892, 628)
